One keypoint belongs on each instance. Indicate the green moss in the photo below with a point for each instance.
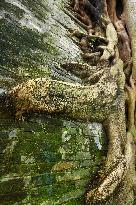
(77, 201)
(29, 53)
(38, 7)
(37, 152)
(13, 185)
(31, 149)
(30, 36)
(8, 199)
(11, 9)
(34, 168)
(53, 193)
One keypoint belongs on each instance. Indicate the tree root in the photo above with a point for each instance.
(101, 102)
(106, 186)
(111, 35)
(73, 100)
(123, 38)
(108, 44)
(131, 90)
(90, 75)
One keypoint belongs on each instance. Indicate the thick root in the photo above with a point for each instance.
(131, 104)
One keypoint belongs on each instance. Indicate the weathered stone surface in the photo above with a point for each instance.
(48, 161)
(34, 38)
(43, 160)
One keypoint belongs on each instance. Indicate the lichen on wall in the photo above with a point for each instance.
(44, 160)
(34, 37)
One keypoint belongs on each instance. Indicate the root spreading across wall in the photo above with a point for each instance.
(107, 94)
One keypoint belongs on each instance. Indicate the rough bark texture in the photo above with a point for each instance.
(130, 18)
(92, 103)
(104, 101)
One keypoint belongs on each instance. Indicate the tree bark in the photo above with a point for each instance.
(104, 101)
(130, 18)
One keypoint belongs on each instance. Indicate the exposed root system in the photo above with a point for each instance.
(109, 15)
(105, 47)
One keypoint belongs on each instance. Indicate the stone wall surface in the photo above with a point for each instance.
(47, 161)
(43, 160)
